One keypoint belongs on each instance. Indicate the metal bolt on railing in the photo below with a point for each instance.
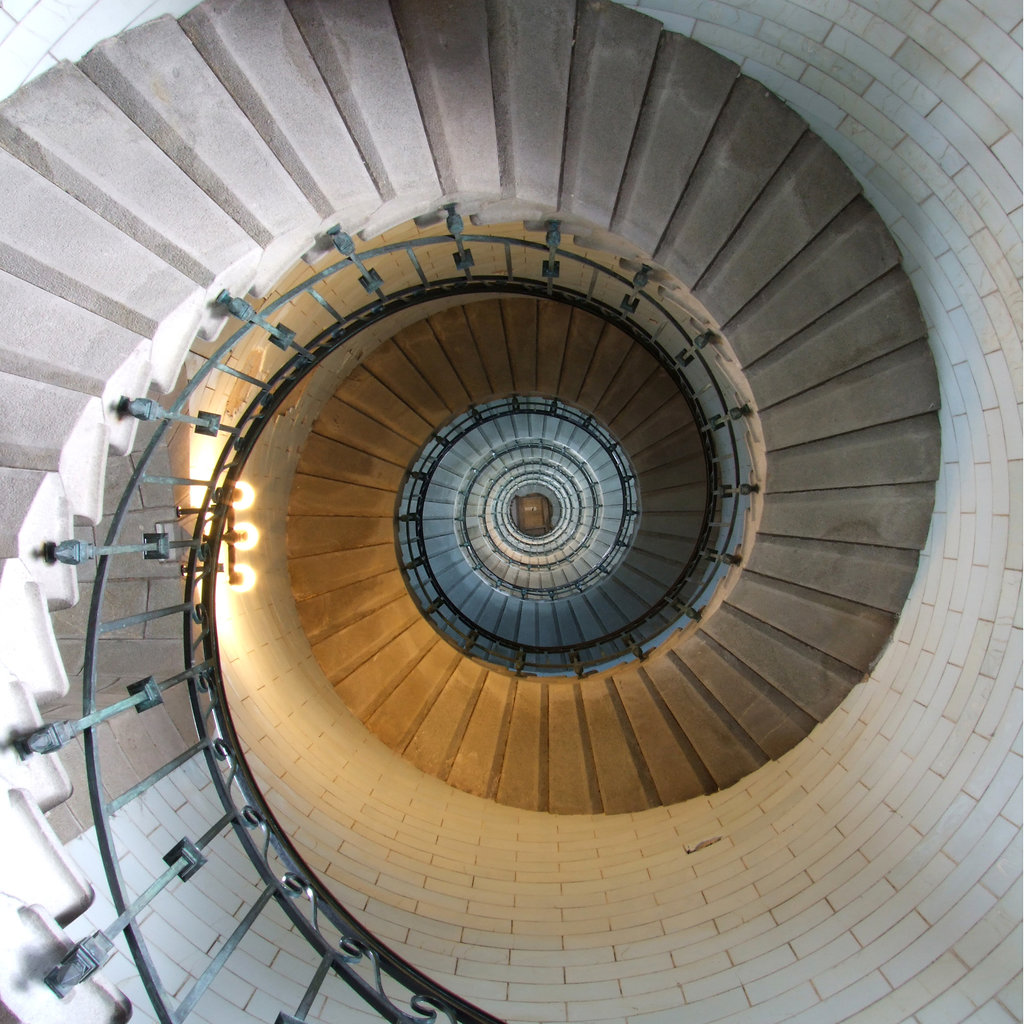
(631, 299)
(154, 546)
(206, 423)
(369, 278)
(464, 257)
(551, 267)
(283, 337)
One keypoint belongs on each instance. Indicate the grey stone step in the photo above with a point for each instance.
(895, 386)
(578, 346)
(622, 776)
(530, 84)
(476, 767)
(752, 136)
(436, 743)
(811, 679)
(35, 344)
(524, 777)
(674, 766)
(455, 337)
(356, 48)
(878, 319)
(768, 717)
(346, 602)
(687, 89)
(29, 649)
(612, 56)
(854, 250)
(92, 264)
(903, 452)
(895, 515)
(446, 51)
(312, 535)
(421, 347)
(850, 632)
(36, 418)
(875, 576)
(724, 748)
(806, 192)
(64, 127)
(49, 517)
(156, 76)
(257, 52)
(45, 876)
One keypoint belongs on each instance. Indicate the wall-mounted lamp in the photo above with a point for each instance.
(239, 537)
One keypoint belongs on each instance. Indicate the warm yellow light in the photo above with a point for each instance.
(244, 496)
(243, 578)
(247, 536)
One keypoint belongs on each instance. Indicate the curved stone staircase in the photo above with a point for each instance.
(184, 158)
(800, 629)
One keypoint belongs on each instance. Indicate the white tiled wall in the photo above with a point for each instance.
(35, 34)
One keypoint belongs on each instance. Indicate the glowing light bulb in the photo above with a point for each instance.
(242, 578)
(244, 495)
(247, 536)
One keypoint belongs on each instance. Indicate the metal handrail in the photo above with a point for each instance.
(340, 944)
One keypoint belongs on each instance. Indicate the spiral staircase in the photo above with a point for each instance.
(128, 217)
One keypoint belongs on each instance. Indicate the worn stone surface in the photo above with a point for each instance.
(445, 46)
(853, 250)
(64, 127)
(810, 678)
(155, 75)
(876, 576)
(878, 319)
(687, 89)
(612, 57)
(751, 137)
(896, 386)
(257, 52)
(902, 452)
(804, 194)
(887, 516)
(530, 84)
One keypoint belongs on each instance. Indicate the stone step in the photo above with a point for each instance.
(359, 55)
(613, 52)
(530, 85)
(37, 872)
(895, 386)
(85, 263)
(752, 136)
(257, 52)
(64, 127)
(447, 55)
(188, 113)
(685, 94)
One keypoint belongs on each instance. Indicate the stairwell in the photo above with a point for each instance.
(792, 264)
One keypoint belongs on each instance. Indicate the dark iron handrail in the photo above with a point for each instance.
(340, 944)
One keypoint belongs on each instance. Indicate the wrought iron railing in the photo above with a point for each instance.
(339, 944)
